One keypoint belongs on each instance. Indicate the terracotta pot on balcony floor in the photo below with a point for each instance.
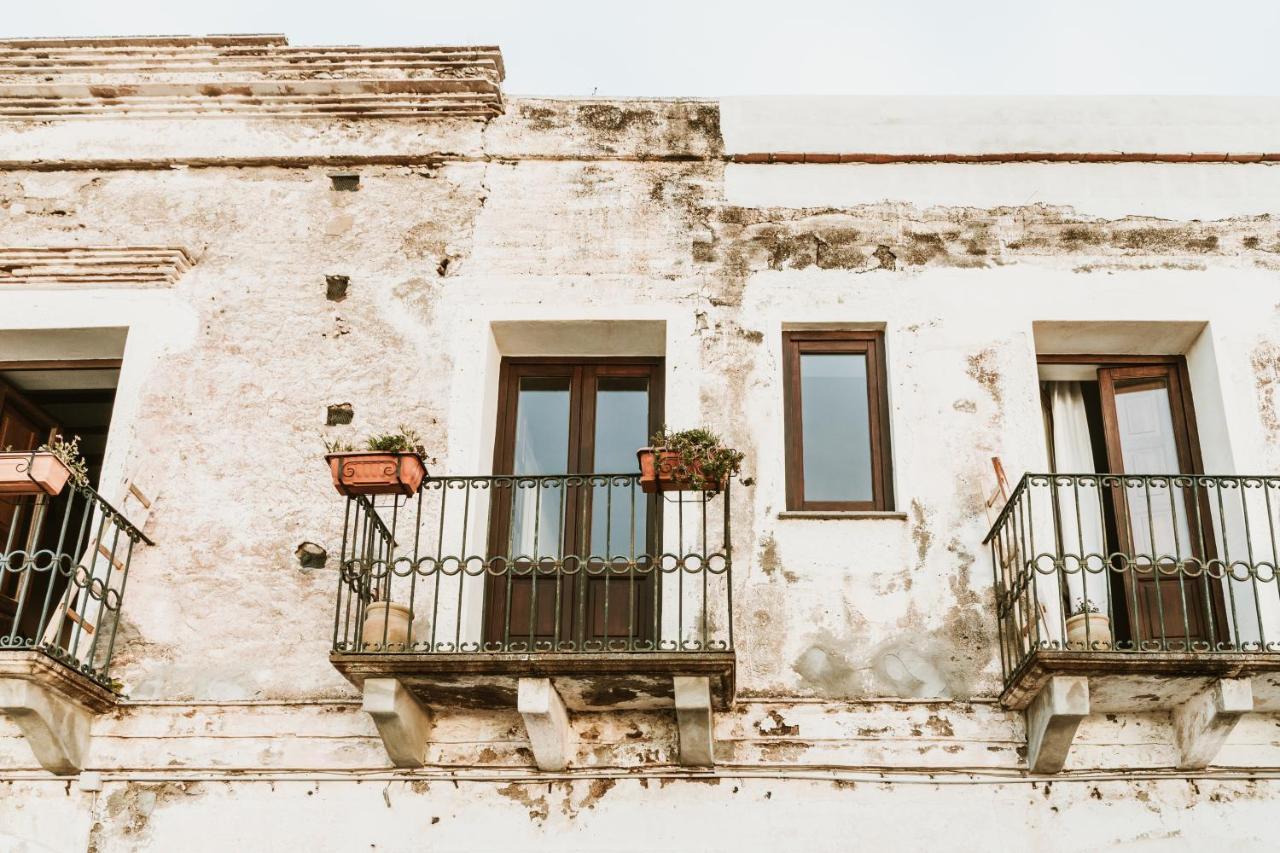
(1098, 634)
(32, 473)
(386, 618)
(376, 473)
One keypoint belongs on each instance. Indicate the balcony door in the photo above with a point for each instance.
(1148, 423)
(23, 426)
(1137, 419)
(573, 569)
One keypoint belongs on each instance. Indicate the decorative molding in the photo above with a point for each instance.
(53, 266)
(872, 158)
(242, 76)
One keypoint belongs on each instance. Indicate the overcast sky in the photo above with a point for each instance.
(710, 48)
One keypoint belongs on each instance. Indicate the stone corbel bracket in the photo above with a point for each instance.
(405, 725)
(92, 266)
(1202, 724)
(1202, 721)
(53, 706)
(1052, 719)
(695, 720)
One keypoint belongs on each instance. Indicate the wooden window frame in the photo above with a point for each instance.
(851, 342)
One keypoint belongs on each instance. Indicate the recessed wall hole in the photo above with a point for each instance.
(345, 183)
(339, 414)
(335, 287)
(311, 556)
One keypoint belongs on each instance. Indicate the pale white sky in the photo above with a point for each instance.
(710, 48)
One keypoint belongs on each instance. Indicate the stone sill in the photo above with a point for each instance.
(586, 681)
(1145, 681)
(842, 515)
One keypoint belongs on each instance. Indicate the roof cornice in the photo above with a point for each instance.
(242, 77)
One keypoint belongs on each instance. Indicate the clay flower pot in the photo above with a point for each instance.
(386, 619)
(373, 472)
(1098, 628)
(661, 470)
(32, 473)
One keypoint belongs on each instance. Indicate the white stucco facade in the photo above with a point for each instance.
(868, 670)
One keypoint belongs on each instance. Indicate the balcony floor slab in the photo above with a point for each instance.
(586, 682)
(1145, 681)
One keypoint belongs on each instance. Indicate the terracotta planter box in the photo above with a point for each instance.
(376, 473)
(660, 472)
(28, 473)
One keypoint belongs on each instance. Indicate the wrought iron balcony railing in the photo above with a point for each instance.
(63, 569)
(583, 563)
(1137, 563)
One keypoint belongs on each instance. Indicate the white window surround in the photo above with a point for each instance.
(1192, 339)
(139, 326)
(481, 342)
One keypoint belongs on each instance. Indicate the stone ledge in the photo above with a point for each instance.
(617, 680)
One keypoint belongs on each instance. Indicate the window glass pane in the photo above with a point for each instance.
(622, 422)
(1157, 516)
(622, 426)
(542, 447)
(542, 426)
(836, 427)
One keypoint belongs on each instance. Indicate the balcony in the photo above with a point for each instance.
(63, 569)
(542, 593)
(1138, 593)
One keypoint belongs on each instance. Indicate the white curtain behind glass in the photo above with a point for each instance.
(536, 518)
(1080, 506)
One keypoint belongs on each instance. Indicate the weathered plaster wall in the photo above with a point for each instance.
(864, 644)
(593, 814)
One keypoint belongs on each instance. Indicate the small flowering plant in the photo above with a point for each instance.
(404, 440)
(68, 453)
(1085, 605)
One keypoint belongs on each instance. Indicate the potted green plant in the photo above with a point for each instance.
(1088, 625)
(45, 470)
(687, 460)
(388, 464)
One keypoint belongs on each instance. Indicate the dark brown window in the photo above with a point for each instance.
(837, 421)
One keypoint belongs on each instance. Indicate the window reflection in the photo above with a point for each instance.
(542, 447)
(622, 423)
(836, 427)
